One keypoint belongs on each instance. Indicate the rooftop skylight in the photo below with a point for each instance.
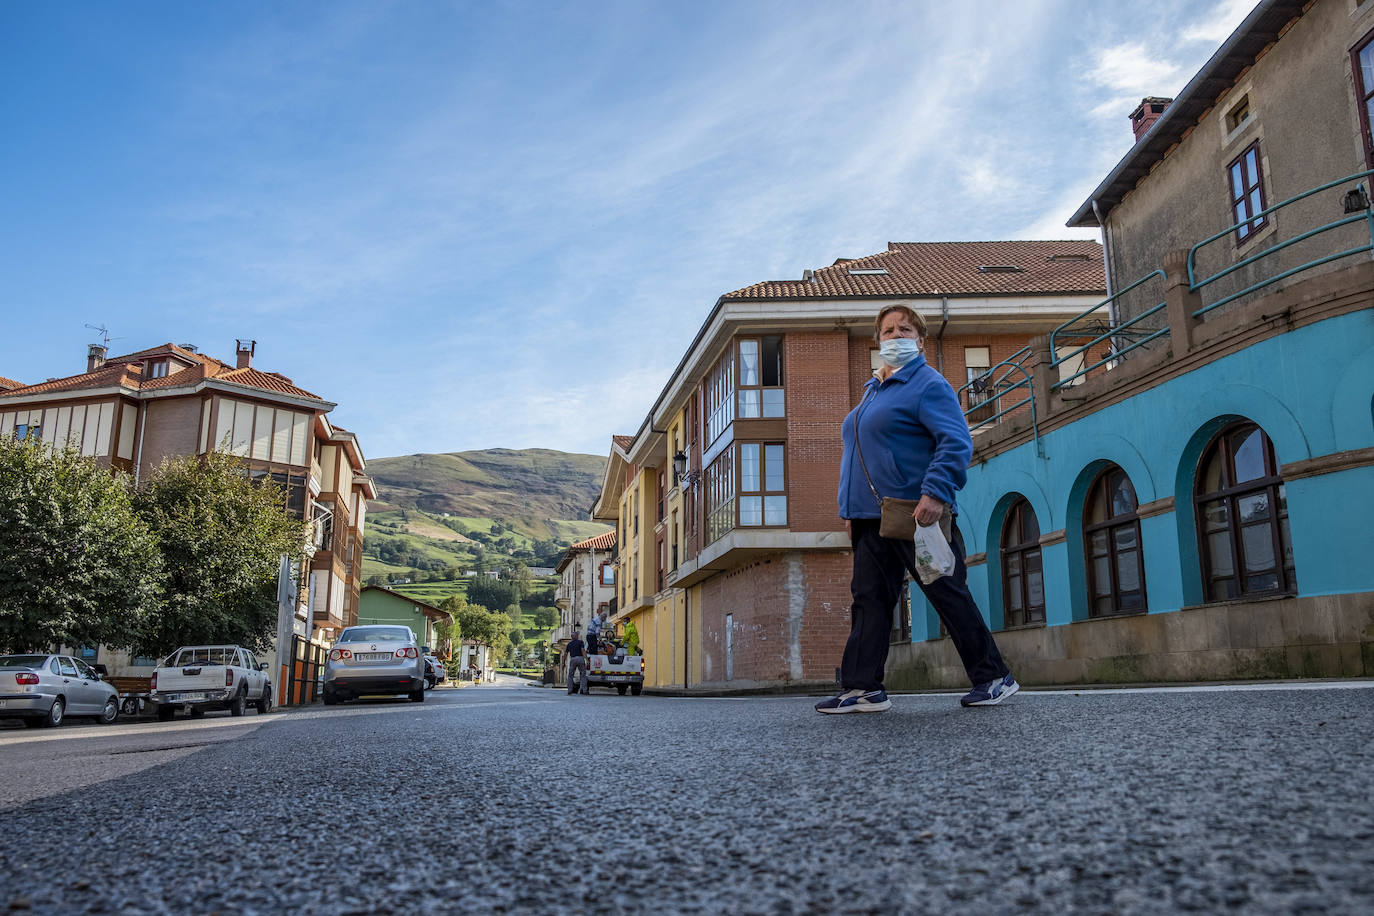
(868, 271)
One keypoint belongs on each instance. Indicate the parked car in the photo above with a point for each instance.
(202, 678)
(45, 689)
(434, 672)
(374, 660)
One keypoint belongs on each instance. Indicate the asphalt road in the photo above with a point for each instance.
(520, 799)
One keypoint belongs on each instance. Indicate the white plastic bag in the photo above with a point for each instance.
(934, 558)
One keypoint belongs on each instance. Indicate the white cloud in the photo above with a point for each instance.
(1220, 23)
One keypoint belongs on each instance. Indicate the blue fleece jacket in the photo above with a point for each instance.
(914, 437)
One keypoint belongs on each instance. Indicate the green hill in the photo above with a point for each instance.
(439, 515)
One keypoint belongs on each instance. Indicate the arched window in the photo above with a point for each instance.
(1111, 542)
(1242, 517)
(1023, 582)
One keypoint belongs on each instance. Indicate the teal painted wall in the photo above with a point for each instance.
(1312, 392)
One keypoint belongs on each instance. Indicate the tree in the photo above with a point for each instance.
(518, 574)
(77, 566)
(492, 593)
(514, 613)
(222, 537)
(545, 617)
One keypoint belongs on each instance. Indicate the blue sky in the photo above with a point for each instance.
(499, 224)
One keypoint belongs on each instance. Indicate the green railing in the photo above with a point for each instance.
(1111, 333)
(993, 383)
(1366, 214)
(994, 380)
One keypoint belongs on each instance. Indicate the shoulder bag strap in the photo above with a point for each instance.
(859, 451)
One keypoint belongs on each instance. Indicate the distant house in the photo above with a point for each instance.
(130, 412)
(378, 605)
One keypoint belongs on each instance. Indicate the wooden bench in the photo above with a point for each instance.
(133, 693)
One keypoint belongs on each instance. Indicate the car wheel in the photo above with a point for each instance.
(110, 712)
(265, 704)
(330, 699)
(165, 713)
(417, 696)
(239, 704)
(197, 712)
(55, 713)
(129, 707)
(429, 683)
(636, 689)
(621, 688)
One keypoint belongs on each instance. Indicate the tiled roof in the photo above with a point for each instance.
(128, 371)
(622, 442)
(600, 542)
(10, 383)
(951, 269)
(125, 374)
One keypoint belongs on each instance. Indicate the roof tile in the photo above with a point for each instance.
(952, 269)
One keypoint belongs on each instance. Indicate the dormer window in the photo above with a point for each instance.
(157, 368)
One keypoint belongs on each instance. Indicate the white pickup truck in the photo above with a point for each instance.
(616, 668)
(210, 677)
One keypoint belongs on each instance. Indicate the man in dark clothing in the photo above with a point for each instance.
(576, 653)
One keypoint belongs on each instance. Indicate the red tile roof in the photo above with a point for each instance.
(951, 269)
(127, 371)
(622, 442)
(600, 542)
(10, 383)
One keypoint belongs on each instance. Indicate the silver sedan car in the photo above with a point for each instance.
(45, 689)
(374, 660)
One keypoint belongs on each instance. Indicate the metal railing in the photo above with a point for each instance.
(1112, 333)
(995, 379)
(1365, 214)
(995, 382)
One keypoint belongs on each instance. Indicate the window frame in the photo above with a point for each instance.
(1250, 226)
(1024, 551)
(1101, 489)
(760, 388)
(1364, 96)
(1272, 484)
(763, 492)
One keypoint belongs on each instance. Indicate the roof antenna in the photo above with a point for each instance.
(104, 334)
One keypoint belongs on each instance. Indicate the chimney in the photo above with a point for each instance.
(245, 353)
(95, 357)
(1146, 114)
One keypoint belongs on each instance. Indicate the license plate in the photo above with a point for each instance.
(371, 656)
(3, 702)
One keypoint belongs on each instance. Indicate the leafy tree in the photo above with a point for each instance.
(516, 635)
(545, 617)
(480, 624)
(492, 593)
(449, 630)
(518, 574)
(222, 537)
(514, 613)
(77, 566)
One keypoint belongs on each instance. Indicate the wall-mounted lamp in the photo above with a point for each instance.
(1356, 200)
(680, 472)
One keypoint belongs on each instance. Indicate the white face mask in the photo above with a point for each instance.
(898, 351)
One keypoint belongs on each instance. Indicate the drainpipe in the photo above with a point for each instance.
(940, 335)
(142, 428)
(1106, 262)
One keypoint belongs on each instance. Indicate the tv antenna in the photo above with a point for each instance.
(104, 334)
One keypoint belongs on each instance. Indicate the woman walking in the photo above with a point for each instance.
(906, 439)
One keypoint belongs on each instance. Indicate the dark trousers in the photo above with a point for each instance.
(879, 566)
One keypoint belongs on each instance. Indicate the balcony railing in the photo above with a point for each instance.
(1028, 371)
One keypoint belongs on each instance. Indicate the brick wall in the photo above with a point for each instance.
(172, 428)
(790, 620)
(816, 371)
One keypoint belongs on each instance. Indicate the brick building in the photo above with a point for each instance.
(731, 560)
(130, 412)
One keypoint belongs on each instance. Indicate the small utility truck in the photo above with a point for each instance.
(199, 678)
(615, 667)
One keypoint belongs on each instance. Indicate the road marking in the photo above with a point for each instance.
(119, 731)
